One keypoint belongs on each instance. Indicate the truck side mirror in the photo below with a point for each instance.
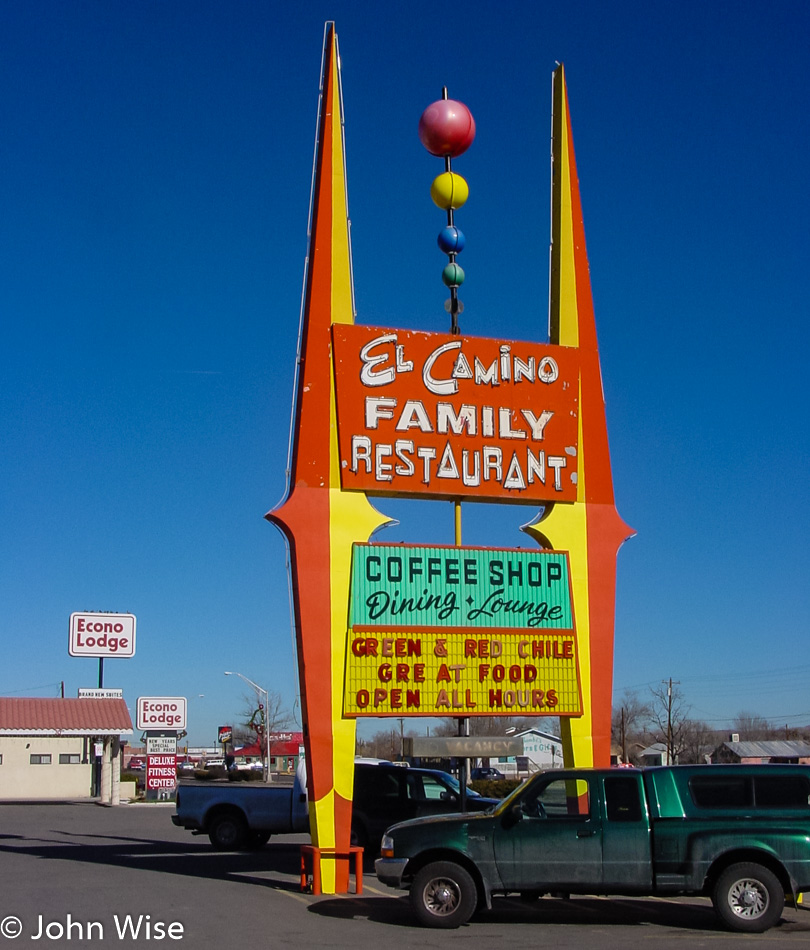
(514, 815)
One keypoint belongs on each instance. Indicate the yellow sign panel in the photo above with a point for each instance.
(474, 673)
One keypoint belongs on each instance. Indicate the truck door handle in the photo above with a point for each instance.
(586, 832)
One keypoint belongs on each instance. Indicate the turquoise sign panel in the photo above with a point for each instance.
(415, 587)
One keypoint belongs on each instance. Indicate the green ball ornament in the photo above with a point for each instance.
(453, 275)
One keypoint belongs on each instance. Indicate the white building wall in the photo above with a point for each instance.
(20, 779)
(543, 750)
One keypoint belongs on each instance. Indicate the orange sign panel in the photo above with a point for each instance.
(455, 416)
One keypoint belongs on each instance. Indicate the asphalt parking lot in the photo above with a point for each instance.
(80, 875)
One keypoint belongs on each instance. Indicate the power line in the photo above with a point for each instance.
(30, 689)
(759, 675)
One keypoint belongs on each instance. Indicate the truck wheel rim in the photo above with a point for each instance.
(442, 896)
(748, 898)
(228, 833)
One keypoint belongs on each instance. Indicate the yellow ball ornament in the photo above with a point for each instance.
(449, 190)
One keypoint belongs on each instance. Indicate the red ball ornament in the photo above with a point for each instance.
(447, 128)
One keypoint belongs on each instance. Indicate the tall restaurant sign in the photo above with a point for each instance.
(453, 416)
(383, 411)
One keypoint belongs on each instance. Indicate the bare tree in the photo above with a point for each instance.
(752, 727)
(384, 744)
(669, 714)
(629, 723)
(274, 717)
(698, 741)
(498, 725)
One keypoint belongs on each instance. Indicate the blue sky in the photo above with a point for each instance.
(155, 166)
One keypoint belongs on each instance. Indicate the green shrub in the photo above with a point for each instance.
(137, 777)
(205, 775)
(245, 775)
(495, 788)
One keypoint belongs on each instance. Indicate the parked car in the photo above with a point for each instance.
(237, 815)
(477, 775)
(387, 793)
(739, 834)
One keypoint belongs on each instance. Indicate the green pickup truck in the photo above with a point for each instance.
(738, 834)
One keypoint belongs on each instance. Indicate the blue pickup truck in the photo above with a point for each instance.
(238, 815)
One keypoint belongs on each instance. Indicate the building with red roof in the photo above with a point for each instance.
(286, 748)
(61, 748)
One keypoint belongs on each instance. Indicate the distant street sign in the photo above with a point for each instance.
(102, 635)
(471, 747)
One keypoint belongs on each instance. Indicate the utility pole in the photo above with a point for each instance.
(668, 684)
(624, 739)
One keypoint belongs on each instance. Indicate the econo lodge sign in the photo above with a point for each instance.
(97, 634)
(161, 712)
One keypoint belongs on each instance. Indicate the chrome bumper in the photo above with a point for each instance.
(390, 870)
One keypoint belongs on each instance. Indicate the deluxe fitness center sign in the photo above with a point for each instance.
(460, 631)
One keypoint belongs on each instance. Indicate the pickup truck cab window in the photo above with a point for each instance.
(622, 799)
(559, 798)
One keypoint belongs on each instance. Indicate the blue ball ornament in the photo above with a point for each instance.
(451, 240)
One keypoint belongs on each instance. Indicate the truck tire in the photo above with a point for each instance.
(443, 895)
(228, 832)
(748, 897)
(359, 838)
(256, 840)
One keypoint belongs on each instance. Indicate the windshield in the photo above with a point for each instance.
(453, 782)
(507, 802)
